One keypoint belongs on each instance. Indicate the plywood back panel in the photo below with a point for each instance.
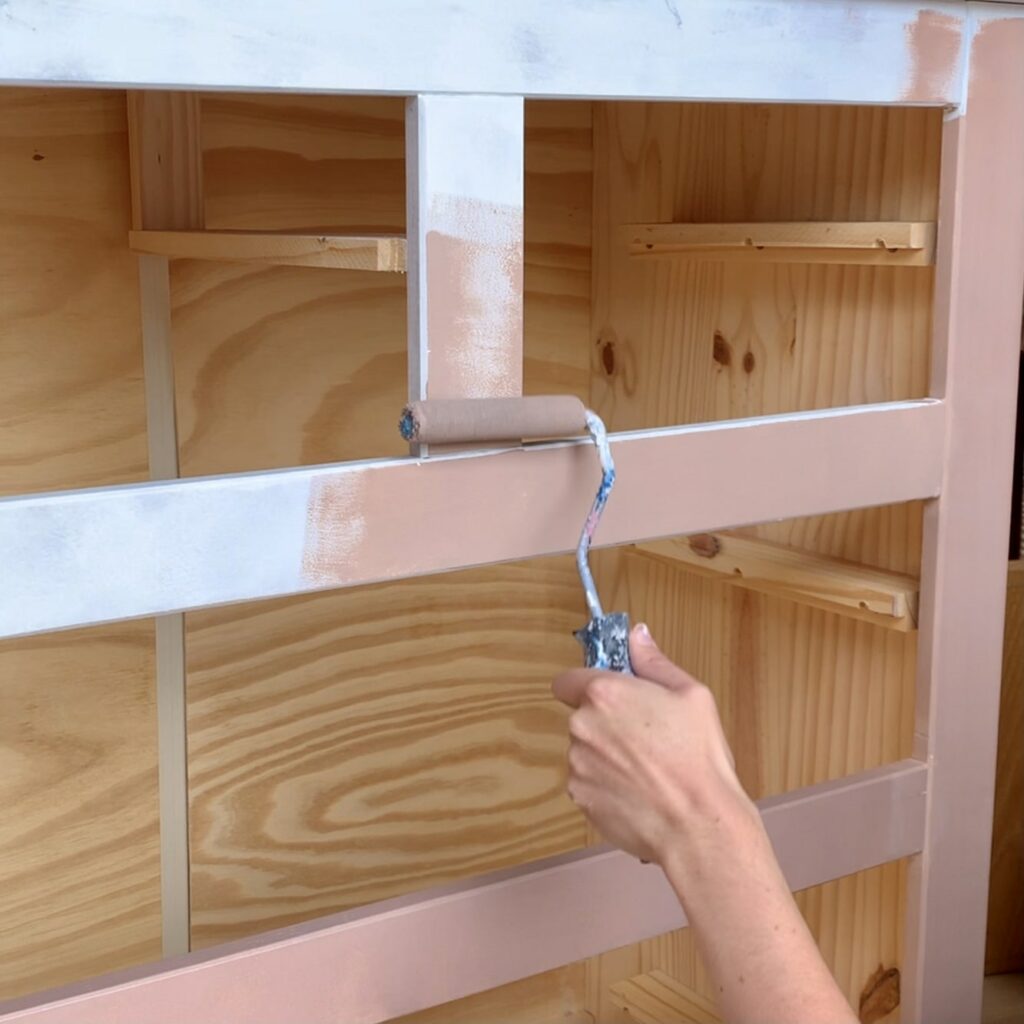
(79, 871)
(346, 747)
(805, 695)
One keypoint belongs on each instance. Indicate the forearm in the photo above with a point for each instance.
(760, 955)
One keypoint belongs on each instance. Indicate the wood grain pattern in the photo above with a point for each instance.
(73, 410)
(1005, 942)
(79, 870)
(166, 167)
(805, 695)
(549, 998)
(79, 860)
(350, 746)
(337, 252)
(398, 740)
(657, 998)
(884, 599)
(885, 243)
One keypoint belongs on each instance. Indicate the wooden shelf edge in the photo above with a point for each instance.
(885, 243)
(339, 252)
(657, 998)
(871, 595)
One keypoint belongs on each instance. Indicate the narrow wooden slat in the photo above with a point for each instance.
(873, 595)
(338, 252)
(92, 556)
(658, 998)
(166, 169)
(447, 943)
(899, 243)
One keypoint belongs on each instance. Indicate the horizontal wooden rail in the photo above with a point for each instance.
(91, 556)
(644, 49)
(895, 243)
(377, 962)
(338, 252)
(886, 599)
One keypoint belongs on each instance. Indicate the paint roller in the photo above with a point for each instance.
(605, 638)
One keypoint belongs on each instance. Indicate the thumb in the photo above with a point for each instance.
(649, 663)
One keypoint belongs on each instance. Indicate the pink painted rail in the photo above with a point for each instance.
(378, 962)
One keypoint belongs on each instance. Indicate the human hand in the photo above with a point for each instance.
(649, 764)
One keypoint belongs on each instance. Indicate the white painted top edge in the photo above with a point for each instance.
(834, 51)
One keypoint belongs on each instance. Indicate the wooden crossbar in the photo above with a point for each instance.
(701, 49)
(275, 249)
(97, 555)
(406, 954)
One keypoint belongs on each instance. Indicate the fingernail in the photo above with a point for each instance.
(643, 634)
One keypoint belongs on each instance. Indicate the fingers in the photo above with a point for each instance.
(650, 663)
(571, 687)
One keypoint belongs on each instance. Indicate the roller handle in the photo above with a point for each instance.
(476, 420)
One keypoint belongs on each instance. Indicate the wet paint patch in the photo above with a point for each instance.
(934, 43)
(335, 528)
(474, 257)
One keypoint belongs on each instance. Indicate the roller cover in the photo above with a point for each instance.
(472, 420)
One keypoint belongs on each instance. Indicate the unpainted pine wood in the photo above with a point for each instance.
(861, 592)
(73, 409)
(79, 865)
(805, 695)
(658, 998)
(548, 998)
(166, 170)
(346, 747)
(354, 252)
(884, 243)
(342, 752)
(1005, 942)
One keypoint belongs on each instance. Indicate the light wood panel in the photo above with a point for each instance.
(348, 749)
(79, 870)
(657, 998)
(73, 409)
(884, 599)
(1005, 945)
(885, 243)
(549, 998)
(349, 746)
(805, 695)
(79, 848)
(337, 252)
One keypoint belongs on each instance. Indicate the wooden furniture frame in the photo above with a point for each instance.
(158, 549)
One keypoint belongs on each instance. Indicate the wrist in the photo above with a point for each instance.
(713, 829)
